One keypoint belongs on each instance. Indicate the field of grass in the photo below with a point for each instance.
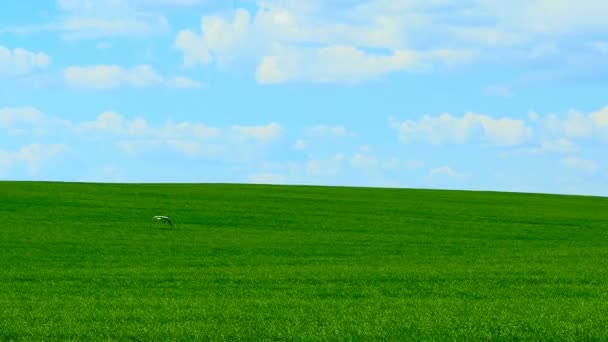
(246, 262)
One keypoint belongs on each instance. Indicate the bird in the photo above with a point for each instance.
(164, 219)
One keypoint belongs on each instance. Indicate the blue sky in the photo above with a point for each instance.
(474, 94)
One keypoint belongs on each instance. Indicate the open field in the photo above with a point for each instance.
(81, 262)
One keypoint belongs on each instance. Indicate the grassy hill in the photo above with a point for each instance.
(81, 261)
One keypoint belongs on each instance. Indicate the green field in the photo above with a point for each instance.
(246, 262)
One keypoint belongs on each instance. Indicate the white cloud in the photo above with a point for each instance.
(552, 146)
(446, 172)
(504, 131)
(30, 121)
(414, 164)
(577, 125)
(543, 51)
(191, 139)
(262, 133)
(395, 164)
(326, 65)
(166, 3)
(289, 42)
(325, 131)
(556, 146)
(110, 173)
(92, 19)
(369, 169)
(600, 119)
(112, 122)
(560, 145)
(103, 46)
(193, 47)
(392, 164)
(267, 178)
(12, 117)
(137, 127)
(498, 90)
(21, 61)
(580, 165)
(84, 5)
(300, 144)
(325, 167)
(447, 56)
(135, 135)
(189, 148)
(92, 6)
(533, 116)
(110, 76)
(364, 161)
(106, 121)
(446, 128)
(601, 47)
(196, 130)
(136, 146)
(35, 155)
(292, 41)
(543, 134)
(219, 38)
(488, 36)
(6, 160)
(183, 82)
(32, 157)
(114, 76)
(556, 17)
(91, 27)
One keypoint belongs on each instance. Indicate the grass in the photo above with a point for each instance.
(81, 262)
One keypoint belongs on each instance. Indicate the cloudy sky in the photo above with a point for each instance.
(459, 94)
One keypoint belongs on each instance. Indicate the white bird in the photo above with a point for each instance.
(164, 219)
